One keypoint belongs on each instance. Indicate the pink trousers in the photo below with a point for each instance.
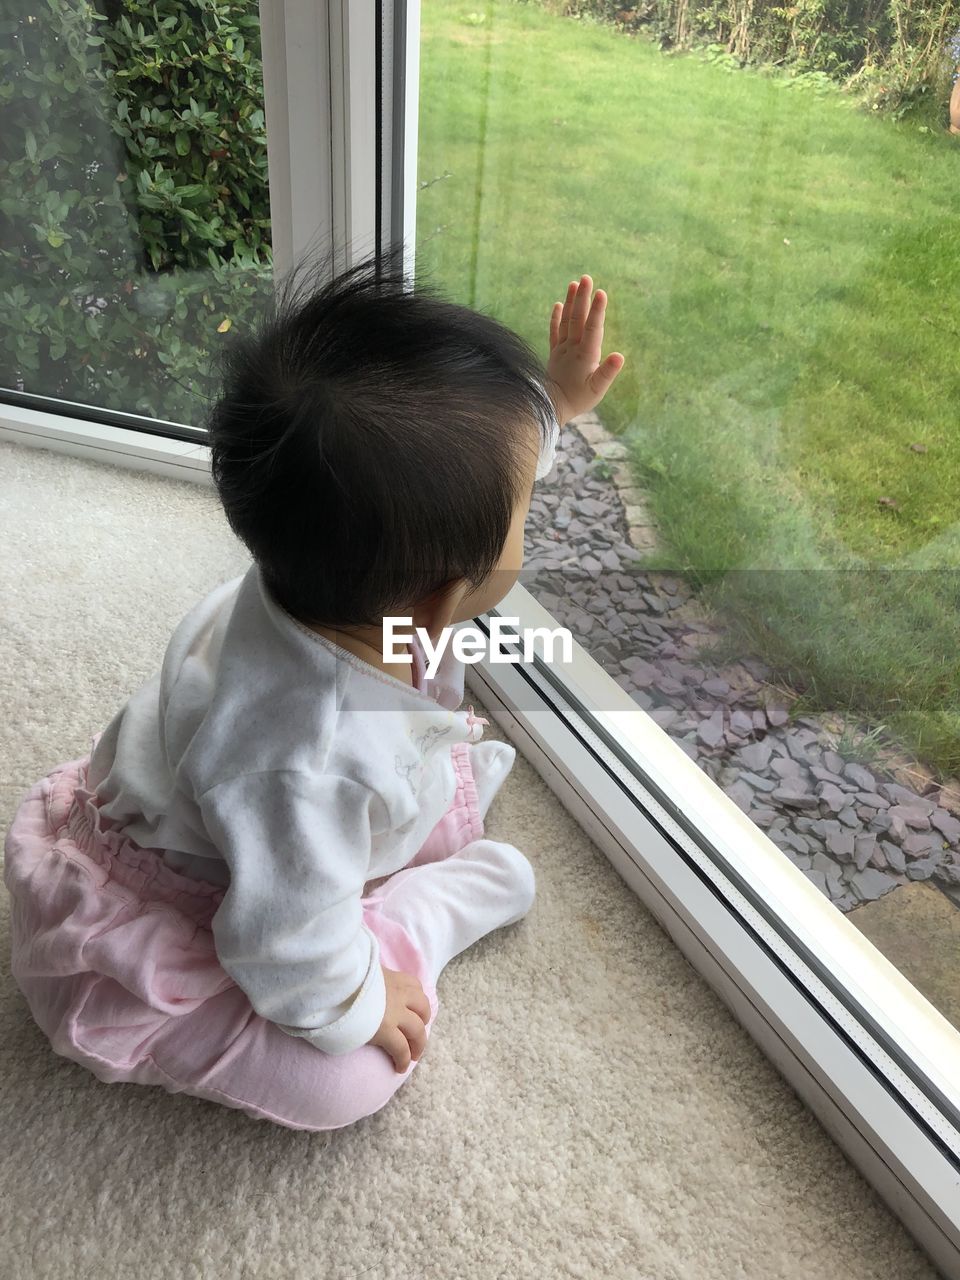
(113, 952)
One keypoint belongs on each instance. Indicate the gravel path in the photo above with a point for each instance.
(856, 833)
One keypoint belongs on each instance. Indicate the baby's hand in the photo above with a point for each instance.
(576, 337)
(403, 1031)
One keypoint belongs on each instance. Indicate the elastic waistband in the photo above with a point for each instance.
(74, 811)
(460, 754)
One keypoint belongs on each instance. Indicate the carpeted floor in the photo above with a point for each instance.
(586, 1105)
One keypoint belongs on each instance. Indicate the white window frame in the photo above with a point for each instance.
(688, 852)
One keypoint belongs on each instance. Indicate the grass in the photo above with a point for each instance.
(783, 272)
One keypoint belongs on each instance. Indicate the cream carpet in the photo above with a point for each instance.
(586, 1106)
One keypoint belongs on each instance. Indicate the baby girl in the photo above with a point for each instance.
(247, 890)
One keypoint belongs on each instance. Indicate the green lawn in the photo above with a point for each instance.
(783, 272)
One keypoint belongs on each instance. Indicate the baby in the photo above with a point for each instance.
(277, 844)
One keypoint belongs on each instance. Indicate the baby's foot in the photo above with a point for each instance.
(490, 763)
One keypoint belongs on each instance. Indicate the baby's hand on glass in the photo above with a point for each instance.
(576, 338)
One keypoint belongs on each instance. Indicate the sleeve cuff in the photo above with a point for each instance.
(548, 451)
(548, 447)
(446, 685)
(362, 1020)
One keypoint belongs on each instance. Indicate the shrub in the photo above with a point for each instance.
(134, 215)
(894, 53)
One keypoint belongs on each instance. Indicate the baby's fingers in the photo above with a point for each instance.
(602, 377)
(592, 340)
(560, 322)
(415, 1031)
(420, 1005)
(555, 315)
(398, 1048)
(581, 307)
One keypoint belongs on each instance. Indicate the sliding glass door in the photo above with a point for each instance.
(755, 537)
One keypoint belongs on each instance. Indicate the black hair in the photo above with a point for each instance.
(366, 442)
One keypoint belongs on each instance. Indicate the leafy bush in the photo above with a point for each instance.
(896, 54)
(134, 214)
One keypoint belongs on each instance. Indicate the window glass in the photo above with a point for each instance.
(134, 209)
(757, 531)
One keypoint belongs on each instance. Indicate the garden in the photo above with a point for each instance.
(783, 268)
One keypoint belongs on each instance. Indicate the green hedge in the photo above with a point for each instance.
(134, 203)
(895, 53)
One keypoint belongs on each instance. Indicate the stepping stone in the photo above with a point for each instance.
(786, 768)
(688, 672)
(892, 855)
(710, 732)
(864, 846)
(826, 775)
(819, 879)
(762, 817)
(912, 815)
(795, 841)
(797, 741)
(897, 794)
(759, 784)
(741, 723)
(870, 884)
(835, 885)
(715, 687)
(873, 800)
(922, 870)
(664, 716)
(861, 776)
(841, 845)
(641, 673)
(919, 843)
(826, 827)
(831, 797)
(946, 825)
(741, 795)
(796, 799)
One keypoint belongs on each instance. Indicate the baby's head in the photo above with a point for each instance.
(375, 447)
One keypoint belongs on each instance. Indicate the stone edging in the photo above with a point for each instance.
(640, 527)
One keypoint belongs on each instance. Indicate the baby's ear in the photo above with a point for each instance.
(439, 608)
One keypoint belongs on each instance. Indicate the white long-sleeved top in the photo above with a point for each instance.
(271, 761)
(266, 759)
